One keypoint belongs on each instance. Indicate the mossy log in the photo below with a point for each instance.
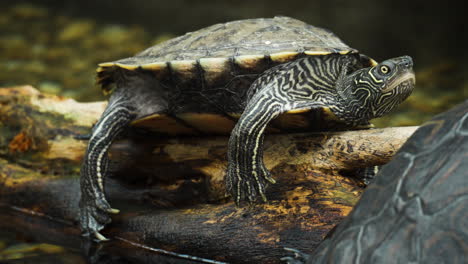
(171, 190)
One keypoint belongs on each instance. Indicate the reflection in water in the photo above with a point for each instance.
(34, 239)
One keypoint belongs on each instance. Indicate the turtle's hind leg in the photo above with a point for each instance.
(94, 208)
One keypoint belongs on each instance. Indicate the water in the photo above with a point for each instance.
(42, 240)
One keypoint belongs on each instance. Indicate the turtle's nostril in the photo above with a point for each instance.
(407, 62)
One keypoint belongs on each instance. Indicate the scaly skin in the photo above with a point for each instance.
(312, 82)
(319, 81)
(94, 208)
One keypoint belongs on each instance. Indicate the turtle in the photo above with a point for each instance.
(242, 78)
(416, 208)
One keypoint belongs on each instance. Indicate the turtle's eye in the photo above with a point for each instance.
(384, 69)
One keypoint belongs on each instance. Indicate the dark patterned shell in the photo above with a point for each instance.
(207, 73)
(416, 211)
(244, 37)
(246, 46)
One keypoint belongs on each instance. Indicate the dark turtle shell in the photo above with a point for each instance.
(212, 68)
(416, 210)
(250, 45)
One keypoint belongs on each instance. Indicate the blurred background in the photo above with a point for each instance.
(56, 45)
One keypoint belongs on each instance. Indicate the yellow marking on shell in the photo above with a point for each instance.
(213, 63)
(366, 126)
(106, 64)
(317, 52)
(214, 68)
(298, 111)
(209, 122)
(329, 114)
(283, 56)
(127, 66)
(248, 61)
(107, 92)
(269, 129)
(157, 66)
(101, 69)
(299, 119)
(289, 120)
(182, 65)
(187, 69)
(344, 52)
(234, 115)
(162, 123)
(159, 69)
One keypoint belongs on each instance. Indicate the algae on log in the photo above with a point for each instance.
(172, 188)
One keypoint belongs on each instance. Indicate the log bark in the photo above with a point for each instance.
(172, 188)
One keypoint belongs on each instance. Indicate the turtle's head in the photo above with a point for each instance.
(379, 89)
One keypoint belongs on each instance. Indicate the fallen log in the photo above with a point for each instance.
(171, 190)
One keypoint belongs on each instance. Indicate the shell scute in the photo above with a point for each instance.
(254, 45)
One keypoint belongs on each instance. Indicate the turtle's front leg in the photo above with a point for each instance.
(246, 176)
(94, 208)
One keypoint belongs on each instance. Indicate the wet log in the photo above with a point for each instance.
(171, 190)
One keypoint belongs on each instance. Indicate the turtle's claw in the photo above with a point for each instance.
(270, 180)
(113, 211)
(247, 186)
(94, 215)
(299, 257)
(100, 237)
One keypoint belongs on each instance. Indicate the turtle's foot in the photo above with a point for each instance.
(298, 258)
(368, 174)
(94, 215)
(247, 186)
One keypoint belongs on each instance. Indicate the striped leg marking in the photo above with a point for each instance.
(368, 174)
(94, 208)
(247, 177)
(305, 83)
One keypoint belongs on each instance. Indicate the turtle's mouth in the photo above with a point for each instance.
(406, 81)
